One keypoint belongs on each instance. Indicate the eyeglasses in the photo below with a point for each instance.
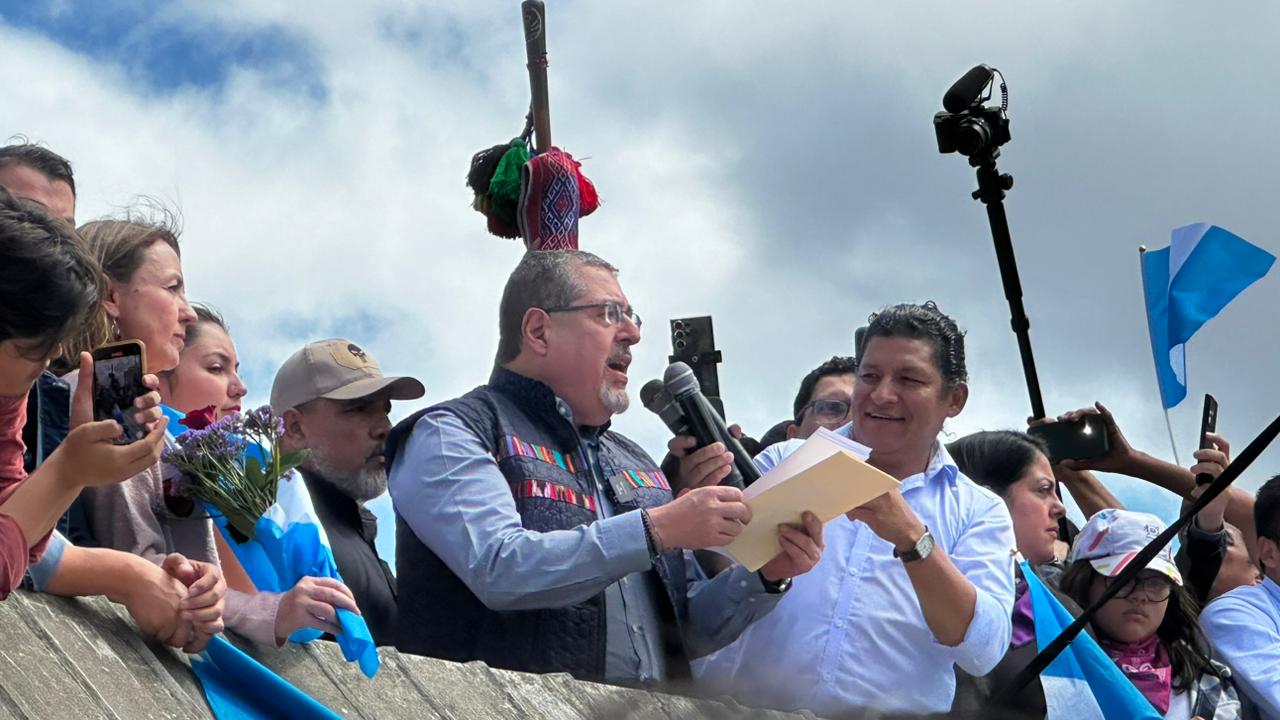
(1157, 588)
(613, 312)
(826, 409)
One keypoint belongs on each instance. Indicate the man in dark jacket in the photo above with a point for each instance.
(532, 537)
(334, 401)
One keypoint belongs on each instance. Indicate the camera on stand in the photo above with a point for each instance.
(967, 126)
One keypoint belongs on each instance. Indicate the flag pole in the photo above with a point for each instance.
(1142, 250)
(1169, 426)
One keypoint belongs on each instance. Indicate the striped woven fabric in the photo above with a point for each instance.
(639, 479)
(552, 491)
(513, 446)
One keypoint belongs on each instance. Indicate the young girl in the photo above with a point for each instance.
(1149, 627)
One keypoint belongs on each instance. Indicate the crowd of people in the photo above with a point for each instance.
(532, 536)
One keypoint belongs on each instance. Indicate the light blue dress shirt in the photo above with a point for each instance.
(850, 633)
(1244, 626)
(449, 490)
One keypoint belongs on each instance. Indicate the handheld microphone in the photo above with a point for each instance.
(655, 398)
(706, 424)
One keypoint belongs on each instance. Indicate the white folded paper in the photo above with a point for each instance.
(827, 475)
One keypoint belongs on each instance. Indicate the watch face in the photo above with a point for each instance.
(925, 546)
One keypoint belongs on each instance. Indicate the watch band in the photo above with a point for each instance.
(774, 587)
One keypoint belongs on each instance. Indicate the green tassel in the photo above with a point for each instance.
(504, 188)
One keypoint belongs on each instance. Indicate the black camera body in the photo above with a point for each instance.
(693, 342)
(971, 131)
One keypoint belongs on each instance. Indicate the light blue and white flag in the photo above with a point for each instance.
(290, 544)
(1082, 683)
(238, 687)
(1187, 284)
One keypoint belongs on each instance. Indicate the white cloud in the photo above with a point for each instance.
(774, 168)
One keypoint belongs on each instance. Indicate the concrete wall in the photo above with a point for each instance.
(82, 658)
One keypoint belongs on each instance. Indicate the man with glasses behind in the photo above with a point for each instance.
(825, 397)
(534, 538)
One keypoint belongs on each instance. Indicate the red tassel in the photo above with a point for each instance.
(588, 200)
(502, 229)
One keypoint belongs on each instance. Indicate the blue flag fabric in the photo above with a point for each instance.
(1082, 683)
(1188, 283)
(238, 687)
(290, 544)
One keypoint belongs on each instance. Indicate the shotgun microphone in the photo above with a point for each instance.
(706, 424)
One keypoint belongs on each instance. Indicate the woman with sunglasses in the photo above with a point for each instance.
(1149, 628)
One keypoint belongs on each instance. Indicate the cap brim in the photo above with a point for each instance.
(402, 388)
(1111, 565)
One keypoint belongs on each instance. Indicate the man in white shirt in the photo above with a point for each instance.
(910, 584)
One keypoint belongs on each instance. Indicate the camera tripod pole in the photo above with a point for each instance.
(991, 189)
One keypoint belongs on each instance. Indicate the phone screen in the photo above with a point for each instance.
(117, 382)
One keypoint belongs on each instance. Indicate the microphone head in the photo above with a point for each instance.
(679, 380)
(650, 395)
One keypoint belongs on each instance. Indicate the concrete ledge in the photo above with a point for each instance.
(82, 658)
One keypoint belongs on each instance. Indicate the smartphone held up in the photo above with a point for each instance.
(117, 382)
(1079, 439)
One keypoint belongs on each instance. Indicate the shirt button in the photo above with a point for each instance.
(839, 623)
(635, 627)
(826, 676)
(742, 583)
(853, 571)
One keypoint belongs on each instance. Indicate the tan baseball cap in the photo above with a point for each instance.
(335, 369)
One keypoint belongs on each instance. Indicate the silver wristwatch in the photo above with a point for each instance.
(922, 548)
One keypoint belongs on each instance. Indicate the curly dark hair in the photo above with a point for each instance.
(1179, 632)
(923, 322)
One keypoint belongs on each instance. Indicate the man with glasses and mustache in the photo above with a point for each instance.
(534, 538)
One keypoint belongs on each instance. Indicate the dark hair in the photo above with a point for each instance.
(1266, 510)
(543, 279)
(49, 284)
(1179, 632)
(837, 365)
(996, 459)
(923, 322)
(41, 159)
(205, 314)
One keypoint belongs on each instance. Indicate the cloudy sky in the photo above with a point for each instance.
(772, 165)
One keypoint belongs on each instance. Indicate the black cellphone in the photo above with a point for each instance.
(1208, 424)
(1074, 440)
(117, 382)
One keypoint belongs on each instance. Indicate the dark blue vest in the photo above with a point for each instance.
(540, 453)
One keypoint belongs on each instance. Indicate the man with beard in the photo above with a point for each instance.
(335, 401)
(534, 538)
